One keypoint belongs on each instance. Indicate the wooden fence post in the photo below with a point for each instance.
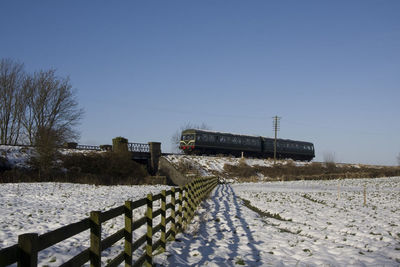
(128, 233)
(163, 222)
(186, 208)
(95, 239)
(180, 209)
(27, 244)
(149, 236)
(173, 228)
(195, 197)
(190, 201)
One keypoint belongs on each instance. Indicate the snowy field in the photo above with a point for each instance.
(313, 225)
(314, 228)
(43, 207)
(319, 226)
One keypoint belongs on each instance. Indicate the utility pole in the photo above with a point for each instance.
(275, 124)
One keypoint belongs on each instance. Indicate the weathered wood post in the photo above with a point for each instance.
(155, 154)
(95, 239)
(190, 201)
(120, 144)
(185, 209)
(173, 227)
(149, 235)
(163, 221)
(128, 233)
(28, 245)
(180, 208)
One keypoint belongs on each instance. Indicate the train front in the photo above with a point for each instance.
(187, 143)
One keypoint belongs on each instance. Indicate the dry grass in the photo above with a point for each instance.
(313, 171)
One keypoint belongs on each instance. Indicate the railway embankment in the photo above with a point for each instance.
(255, 170)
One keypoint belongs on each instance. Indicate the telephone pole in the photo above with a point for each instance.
(275, 124)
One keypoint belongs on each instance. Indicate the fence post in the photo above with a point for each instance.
(190, 202)
(180, 210)
(27, 244)
(194, 190)
(95, 239)
(163, 222)
(173, 228)
(186, 208)
(149, 236)
(128, 233)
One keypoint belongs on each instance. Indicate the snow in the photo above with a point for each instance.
(315, 227)
(19, 156)
(302, 223)
(43, 207)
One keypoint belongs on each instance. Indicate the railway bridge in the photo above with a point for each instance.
(147, 154)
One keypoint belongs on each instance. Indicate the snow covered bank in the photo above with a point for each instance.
(18, 156)
(258, 170)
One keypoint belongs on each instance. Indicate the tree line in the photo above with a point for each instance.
(36, 108)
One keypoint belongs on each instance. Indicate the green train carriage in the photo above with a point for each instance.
(199, 142)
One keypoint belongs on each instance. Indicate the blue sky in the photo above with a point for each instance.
(142, 69)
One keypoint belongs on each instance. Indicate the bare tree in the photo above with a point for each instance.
(176, 137)
(45, 156)
(12, 100)
(51, 104)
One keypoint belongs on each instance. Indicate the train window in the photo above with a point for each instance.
(187, 137)
(211, 138)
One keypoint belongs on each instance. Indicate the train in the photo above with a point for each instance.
(205, 142)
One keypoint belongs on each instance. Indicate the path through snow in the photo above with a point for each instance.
(226, 233)
(223, 233)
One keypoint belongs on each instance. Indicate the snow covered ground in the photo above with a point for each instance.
(43, 207)
(303, 223)
(312, 226)
(19, 156)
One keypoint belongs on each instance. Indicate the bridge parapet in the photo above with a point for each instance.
(138, 147)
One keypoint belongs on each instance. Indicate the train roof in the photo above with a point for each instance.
(242, 135)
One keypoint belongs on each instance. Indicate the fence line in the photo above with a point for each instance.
(25, 253)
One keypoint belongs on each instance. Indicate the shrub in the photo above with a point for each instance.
(4, 164)
(240, 170)
(108, 164)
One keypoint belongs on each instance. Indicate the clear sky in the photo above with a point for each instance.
(142, 69)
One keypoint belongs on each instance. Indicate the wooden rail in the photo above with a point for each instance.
(182, 207)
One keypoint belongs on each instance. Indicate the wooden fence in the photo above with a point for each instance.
(25, 253)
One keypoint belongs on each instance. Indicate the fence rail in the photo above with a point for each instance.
(88, 147)
(182, 208)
